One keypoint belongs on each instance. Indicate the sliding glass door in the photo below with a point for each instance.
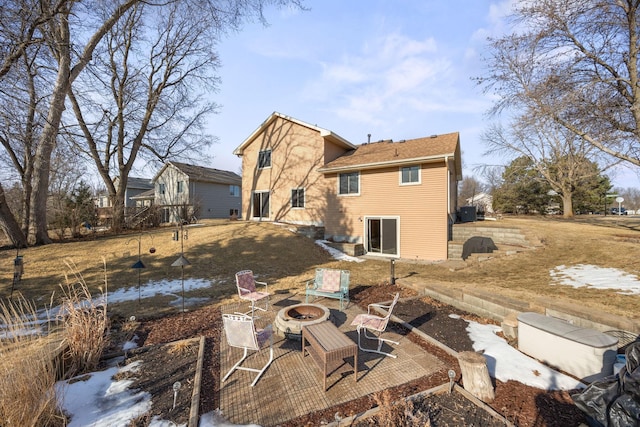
(382, 235)
(260, 205)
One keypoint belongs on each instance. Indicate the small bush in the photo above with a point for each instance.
(86, 325)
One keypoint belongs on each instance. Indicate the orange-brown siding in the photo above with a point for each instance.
(422, 209)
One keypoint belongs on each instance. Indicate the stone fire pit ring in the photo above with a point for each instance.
(290, 320)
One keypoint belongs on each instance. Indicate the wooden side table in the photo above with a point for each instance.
(326, 344)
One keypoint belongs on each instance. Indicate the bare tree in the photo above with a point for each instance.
(72, 30)
(144, 97)
(575, 63)
(469, 187)
(564, 160)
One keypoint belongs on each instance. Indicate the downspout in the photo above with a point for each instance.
(446, 163)
(449, 222)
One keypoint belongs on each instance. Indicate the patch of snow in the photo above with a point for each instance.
(131, 344)
(341, 256)
(591, 276)
(98, 400)
(506, 363)
(162, 287)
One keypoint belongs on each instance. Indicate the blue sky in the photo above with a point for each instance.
(397, 70)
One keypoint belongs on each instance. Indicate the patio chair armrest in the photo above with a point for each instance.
(244, 290)
(262, 283)
(312, 284)
(377, 305)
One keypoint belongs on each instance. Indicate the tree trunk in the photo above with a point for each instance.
(42, 166)
(117, 222)
(567, 205)
(475, 375)
(9, 224)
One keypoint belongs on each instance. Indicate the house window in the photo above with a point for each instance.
(161, 188)
(264, 159)
(297, 198)
(180, 186)
(234, 190)
(349, 183)
(410, 175)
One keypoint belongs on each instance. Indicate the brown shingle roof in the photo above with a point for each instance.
(385, 153)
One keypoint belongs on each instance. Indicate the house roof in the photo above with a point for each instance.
(149, 194)
(374, 155)
(325, 133)
(203, 174)
(137, 183)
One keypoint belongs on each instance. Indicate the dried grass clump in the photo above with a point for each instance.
(398, 413)
(86, 325)
(27, 369)
(181, 347)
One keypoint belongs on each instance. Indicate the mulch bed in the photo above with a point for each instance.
(520, 404)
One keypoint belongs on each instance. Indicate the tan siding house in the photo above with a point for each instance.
(398, 199)
(280, 178)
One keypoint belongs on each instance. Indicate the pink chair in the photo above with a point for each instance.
(247, 290)
(241, 333)
(376, 324)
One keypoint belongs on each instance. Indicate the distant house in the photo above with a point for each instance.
(135, 186)
(482, 201)
(184, 191)
(397, 199)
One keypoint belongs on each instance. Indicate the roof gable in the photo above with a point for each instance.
(324, 133)
(204, 174)
(388, 153)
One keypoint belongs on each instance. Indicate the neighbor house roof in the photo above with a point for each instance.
(203, 174)
(374, 155)
(149, 194)
(325, 133)
(137, 183)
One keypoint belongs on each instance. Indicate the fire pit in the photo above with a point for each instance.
(290, 320)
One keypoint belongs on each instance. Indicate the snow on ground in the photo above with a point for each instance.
(506, 363)
(99, 400)
(336, 253)
(164, 287)
(591, 276)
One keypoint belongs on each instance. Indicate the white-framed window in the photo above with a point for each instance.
(349, 183)
(409, 175)
(180, 186)
(297, 198)
(161, 188)
(234, 190)
(264, 159)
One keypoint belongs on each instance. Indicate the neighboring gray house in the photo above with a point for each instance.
(184, 191)
(135, 187)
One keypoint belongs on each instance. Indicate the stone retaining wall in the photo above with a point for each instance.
(498, 307)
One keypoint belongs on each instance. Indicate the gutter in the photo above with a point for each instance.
(378, 165)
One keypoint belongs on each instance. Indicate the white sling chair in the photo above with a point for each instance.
(241, 333)
(376, 324)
